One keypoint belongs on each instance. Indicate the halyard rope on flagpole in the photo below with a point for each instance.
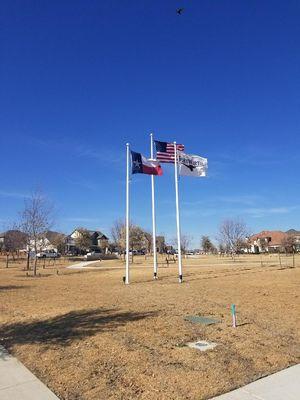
(153, 214)
(127, 213)
(177, 215)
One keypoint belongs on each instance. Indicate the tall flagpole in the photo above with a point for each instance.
(127, 213)
(177, 216)
(153, 215)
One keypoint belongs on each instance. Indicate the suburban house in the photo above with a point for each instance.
(50, 241)
(98, 241)
(267, 241)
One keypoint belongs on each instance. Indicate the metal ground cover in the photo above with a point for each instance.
(196, 319)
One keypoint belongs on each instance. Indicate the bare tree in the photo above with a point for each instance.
(36, 219)
(233, 235)
(148, 242)
(185, 242)
(118, 235)
(139, 239)
(14, 240)
(104, 245)
(221, 248)
(83, 241)
(58, 240)
(289, 244)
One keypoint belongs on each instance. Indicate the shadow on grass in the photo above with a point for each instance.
(63, 329)
(11, 287)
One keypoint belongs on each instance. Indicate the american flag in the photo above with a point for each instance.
(165, 151)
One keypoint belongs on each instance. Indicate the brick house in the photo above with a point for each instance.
(267, 241)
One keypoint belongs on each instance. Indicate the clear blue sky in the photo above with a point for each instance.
(80, 78)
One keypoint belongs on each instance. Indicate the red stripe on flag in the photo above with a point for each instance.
(152, 170)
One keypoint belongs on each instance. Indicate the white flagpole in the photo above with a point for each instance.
(153, 215)
(177, 215)
(127, 213)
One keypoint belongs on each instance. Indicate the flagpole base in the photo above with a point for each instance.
(155, 277)
(180, 279)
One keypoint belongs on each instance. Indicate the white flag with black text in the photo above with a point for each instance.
(192, 165)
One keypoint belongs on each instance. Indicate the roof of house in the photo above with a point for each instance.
(2, 234)
(276, 237)
(92, 232)
(292, 232)
(99, 234)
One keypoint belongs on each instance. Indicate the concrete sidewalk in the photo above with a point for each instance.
(18, 383)
(86, 265)
(284, 385)
(83, 265)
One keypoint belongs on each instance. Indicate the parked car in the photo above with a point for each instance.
(48, 254)
(93, 255)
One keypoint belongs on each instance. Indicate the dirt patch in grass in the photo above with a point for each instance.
(89, 337)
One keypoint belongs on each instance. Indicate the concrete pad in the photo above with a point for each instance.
(18, 383)
(202, 345)
(283, 385)
(198, 319)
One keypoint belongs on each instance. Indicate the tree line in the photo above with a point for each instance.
(36, 219)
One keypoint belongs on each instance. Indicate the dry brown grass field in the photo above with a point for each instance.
(88, 336)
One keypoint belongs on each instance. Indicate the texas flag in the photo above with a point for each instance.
(143, 165)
